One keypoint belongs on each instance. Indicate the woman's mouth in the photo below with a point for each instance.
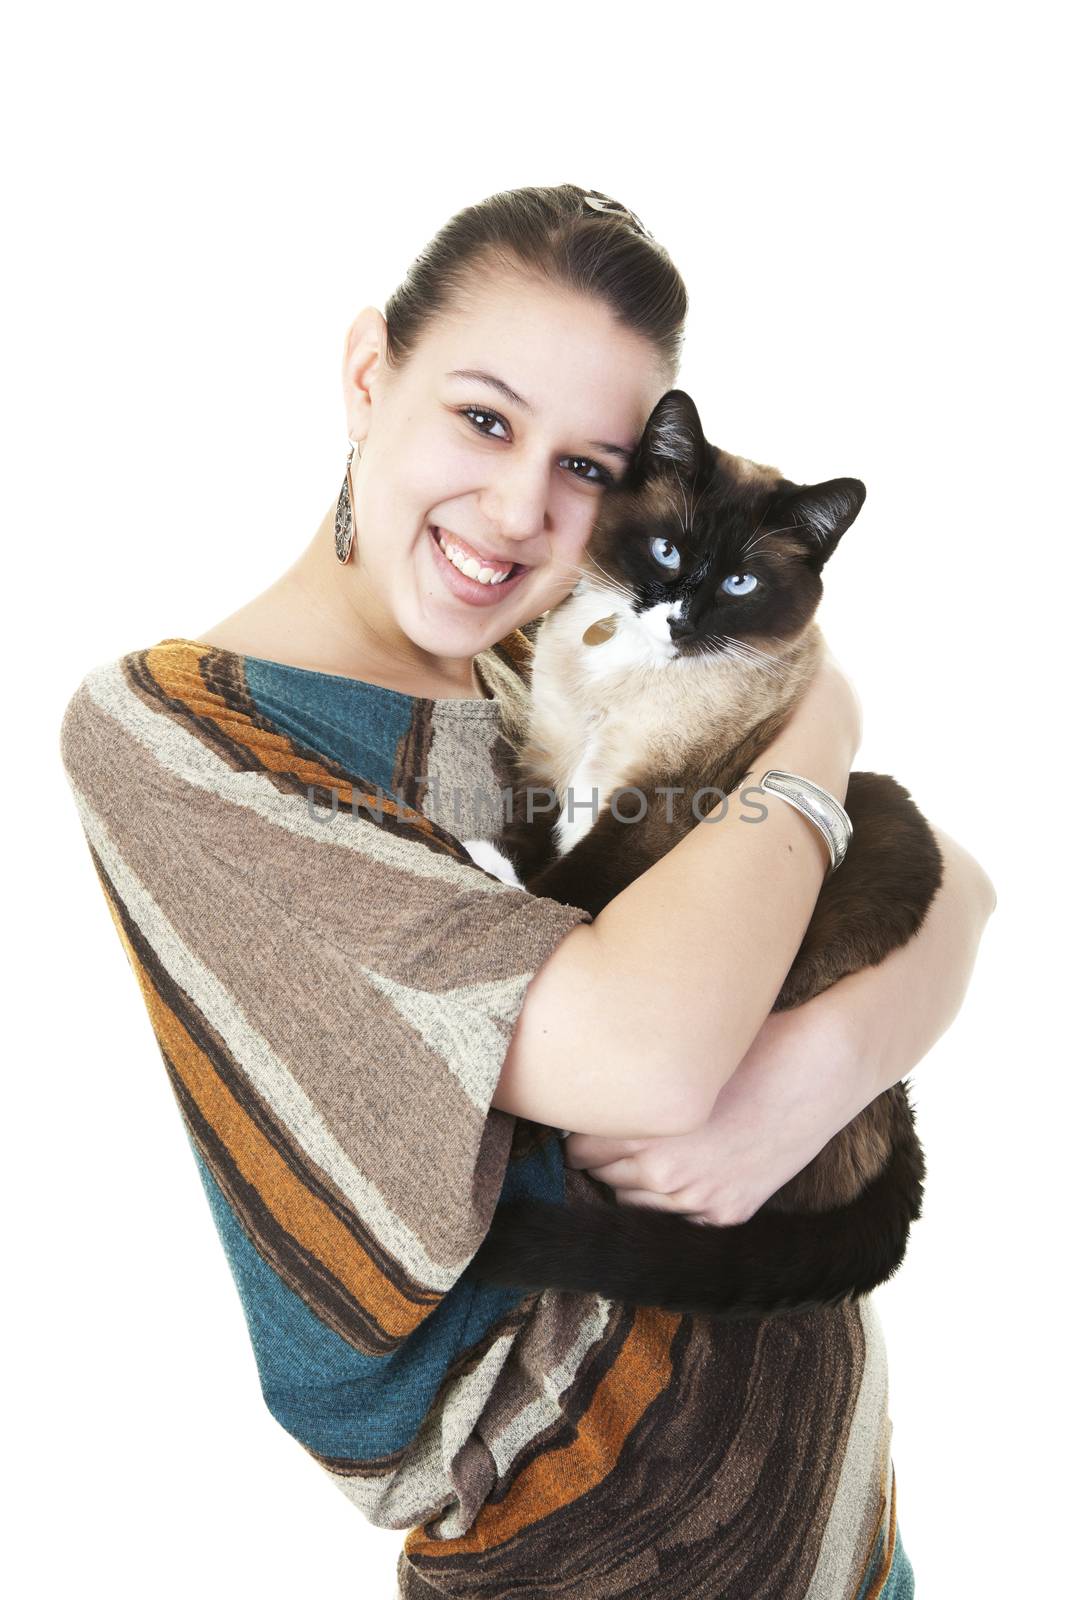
(474, 579)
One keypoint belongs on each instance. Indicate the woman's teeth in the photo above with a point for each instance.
(469, 566)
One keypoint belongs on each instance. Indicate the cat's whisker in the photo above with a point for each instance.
(686, 524)
(755, 532)
(609, 584)
(758, 655)
(752, 545)
(739, 650)
(753, 541)
(582, 567)
(612, 583)
(761, 521)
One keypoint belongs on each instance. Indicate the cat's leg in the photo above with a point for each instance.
(524, 845)
(485, 854)
(622, 843)
(527, 837)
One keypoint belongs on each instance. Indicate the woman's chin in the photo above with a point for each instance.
(458, 618)
(437, 630)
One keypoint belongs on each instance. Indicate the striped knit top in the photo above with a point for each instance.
(333, 985)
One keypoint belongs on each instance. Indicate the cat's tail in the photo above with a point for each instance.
(776, 1261)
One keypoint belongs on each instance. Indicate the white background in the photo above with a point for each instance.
(199, 198)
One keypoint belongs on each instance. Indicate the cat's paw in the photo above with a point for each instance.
(492, 860)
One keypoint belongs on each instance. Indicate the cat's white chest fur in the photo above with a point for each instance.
(605, 753)
(606, 715)
(583, 800)
(582, 716)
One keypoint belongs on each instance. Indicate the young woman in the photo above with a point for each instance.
(372, 1041)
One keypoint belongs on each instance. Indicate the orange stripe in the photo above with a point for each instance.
(175, 665)
(302, 1215)
(557, 1478)
(878, 1582)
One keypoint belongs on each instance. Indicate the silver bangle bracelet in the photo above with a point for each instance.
(820, 808)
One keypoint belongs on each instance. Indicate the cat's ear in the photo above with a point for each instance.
(822, 512)
(673, 440)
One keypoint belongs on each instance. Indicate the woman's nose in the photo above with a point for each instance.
(516, 501)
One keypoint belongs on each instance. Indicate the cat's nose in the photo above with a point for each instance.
(681, 628)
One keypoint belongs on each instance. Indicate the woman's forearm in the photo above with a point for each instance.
(885, 1019)
(810, 1070)
(695, 949)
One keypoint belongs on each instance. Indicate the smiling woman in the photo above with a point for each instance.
(372, 1041)
(451, 491)
(493, 461)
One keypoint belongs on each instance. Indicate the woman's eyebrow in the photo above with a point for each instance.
(510, 394)
(497, 383)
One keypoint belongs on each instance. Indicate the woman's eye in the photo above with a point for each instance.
(667, 554)
(478, 414)
(577, 463)
(486, 421)
(739, 583)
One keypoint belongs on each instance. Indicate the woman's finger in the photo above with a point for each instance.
(647, 1198)
(631, 1172)
(584, 1150)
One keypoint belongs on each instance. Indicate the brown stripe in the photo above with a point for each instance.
(724, 1484)
(411, 763)
(559, 1477)
(290, 1215)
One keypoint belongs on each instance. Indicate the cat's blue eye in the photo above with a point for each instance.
(667, 554)
(739, 583)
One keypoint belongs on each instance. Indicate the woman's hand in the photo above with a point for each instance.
(809, 1071)
(795, 1088)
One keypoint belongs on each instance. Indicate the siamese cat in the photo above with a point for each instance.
(674, 662)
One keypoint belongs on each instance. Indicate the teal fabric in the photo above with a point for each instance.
(356, 724)
(900, 1582)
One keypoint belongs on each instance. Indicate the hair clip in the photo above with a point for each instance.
(596, 203)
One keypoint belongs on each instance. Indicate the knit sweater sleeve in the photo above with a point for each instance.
(333, 993)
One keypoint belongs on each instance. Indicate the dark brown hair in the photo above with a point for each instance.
(601, 250)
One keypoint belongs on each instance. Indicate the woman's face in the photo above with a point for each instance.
(499, 434)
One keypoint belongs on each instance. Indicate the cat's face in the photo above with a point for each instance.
(703, 553)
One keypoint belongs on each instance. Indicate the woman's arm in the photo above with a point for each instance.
(889, 1016)
(636, 1020)
(811, 1070)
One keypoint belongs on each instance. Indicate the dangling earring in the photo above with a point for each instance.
(344, 525)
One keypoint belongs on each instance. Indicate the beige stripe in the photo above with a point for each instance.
(463, 793)
(545, 1408)
(466, 1026)
(859, 1491)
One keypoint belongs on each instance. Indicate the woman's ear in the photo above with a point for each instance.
(364, 360)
